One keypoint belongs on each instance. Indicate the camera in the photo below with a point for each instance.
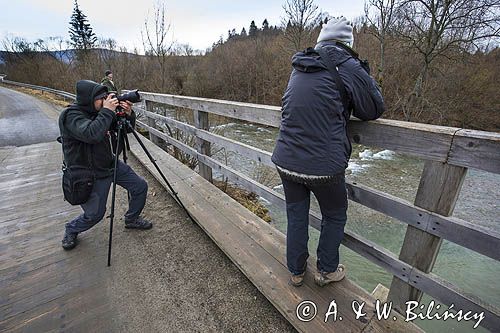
(132, 96)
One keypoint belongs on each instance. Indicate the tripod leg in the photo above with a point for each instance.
(126, 147)
(159, 171)
(113, 195)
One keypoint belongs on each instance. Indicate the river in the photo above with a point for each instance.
(399, 175)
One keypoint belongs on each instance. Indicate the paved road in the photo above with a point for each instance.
(25, 120)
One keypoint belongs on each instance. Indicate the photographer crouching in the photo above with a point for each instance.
(88, 137)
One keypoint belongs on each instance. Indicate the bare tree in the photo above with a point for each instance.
(155, 40)
(301, 17)
(380, 15)
(435, 27)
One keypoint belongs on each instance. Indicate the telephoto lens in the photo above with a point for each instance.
(132, 96)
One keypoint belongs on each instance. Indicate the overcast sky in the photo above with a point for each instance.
(196, 22)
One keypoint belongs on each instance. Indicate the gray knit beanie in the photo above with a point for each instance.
(337, 29)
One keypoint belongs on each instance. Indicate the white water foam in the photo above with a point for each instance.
(368, 154)
(225, 125)
(356, 167)
(384, 155)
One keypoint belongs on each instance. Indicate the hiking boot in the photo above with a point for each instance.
(323, 278)
(69, 241)
(297, 280)
(139, 223)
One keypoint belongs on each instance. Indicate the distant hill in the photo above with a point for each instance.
(67, 55)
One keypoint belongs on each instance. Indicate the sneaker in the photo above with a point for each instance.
(69, 241)
(297, 280)
(139, 223)
(322, 278)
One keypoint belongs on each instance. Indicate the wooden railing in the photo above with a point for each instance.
(448, 153)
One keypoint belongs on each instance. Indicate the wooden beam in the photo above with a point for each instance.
(428, 283)
(472, 147)
(202, 146)
(152, 123)
(474, 237)
(438, 191)
(262, 114)
(439, 143)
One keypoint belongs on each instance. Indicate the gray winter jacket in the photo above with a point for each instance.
(312, 139)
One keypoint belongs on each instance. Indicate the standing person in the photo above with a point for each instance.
(107, 81)
(87, 133)
(312, 149)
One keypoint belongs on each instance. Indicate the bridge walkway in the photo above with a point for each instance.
(258, 250)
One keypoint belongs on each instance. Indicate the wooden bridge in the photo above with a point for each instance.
(258, 250)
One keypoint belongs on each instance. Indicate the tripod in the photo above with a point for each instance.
(122, 125)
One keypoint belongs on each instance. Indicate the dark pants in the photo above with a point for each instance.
(95, 208)
(332, 198)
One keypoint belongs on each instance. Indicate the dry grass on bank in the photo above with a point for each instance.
(248, 199)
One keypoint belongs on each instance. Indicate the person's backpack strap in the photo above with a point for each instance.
(336, 77)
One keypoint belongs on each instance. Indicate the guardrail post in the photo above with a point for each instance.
(438, 191)
(202, 146)
(151, 122)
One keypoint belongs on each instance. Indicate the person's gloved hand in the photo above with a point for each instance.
(127, 107)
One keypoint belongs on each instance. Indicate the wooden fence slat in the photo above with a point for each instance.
(471, 236)
(253, 153)
(438, 191)
(202, 146)
(152, 123)
(422, 140)
(262, 114)
(471, 147)
(429, 283)
(477, 238)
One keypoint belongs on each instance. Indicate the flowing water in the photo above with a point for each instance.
(398, 175)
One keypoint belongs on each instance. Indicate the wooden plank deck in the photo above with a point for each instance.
(258, 250)
(42, 287)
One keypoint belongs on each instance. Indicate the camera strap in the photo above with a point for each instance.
(336, 77)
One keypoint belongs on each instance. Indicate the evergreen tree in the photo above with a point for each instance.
(265, 25)
(231, 33)
(243, 32)
(80, 32)
(253, 29)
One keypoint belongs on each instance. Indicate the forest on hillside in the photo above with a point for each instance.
(436, 61)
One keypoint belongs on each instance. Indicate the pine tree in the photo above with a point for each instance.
(253, 29)
(265, 25)
(80, 32)
(243, 32)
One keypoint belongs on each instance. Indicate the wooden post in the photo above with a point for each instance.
(438, 191)
(202, 146)
(151, 123)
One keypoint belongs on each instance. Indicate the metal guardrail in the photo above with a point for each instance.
(50, 90)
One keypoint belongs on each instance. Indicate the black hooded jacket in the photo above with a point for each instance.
(87, 134)
(312, 139)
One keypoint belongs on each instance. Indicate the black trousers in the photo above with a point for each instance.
(332, 199)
